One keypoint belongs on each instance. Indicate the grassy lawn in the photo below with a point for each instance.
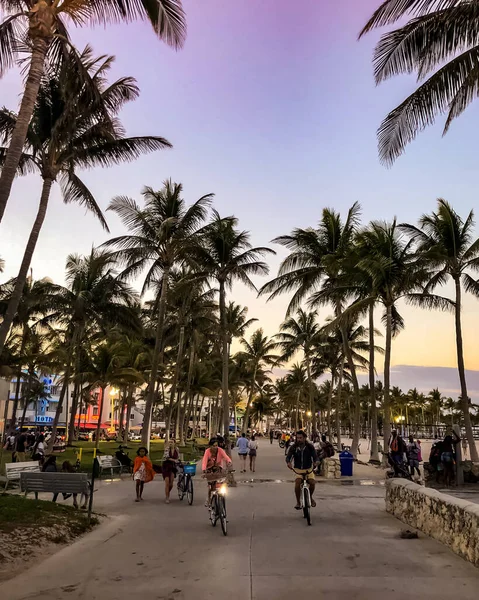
(19, 512)
(87, 448)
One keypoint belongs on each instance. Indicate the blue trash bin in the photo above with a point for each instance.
(346, 459)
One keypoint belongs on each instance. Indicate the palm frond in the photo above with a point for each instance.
(74, 190)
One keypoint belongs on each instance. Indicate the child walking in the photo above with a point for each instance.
(142, 471)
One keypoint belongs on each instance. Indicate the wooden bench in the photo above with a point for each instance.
(14, 470)
(55, 483)
(108, 462)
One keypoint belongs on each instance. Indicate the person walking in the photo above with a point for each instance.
(20, 447)
(243, 449)
(271, 436)
(252, 452)
(413, 452)
(168, 468)
(142, 471)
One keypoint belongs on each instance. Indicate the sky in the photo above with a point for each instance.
(272, 106)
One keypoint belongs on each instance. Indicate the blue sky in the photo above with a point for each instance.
(272, 106)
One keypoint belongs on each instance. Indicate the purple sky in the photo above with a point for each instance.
(272, 106)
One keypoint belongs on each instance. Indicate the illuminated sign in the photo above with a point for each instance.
(44, 419)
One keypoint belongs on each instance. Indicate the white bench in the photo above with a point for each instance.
(14, 470)
(108, 462)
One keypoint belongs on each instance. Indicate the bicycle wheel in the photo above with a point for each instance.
(307, 505)
(222, 511)
(214, 510)
(181, 487)
(189, 490)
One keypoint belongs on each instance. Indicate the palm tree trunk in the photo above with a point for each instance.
(250, 400)
(19, 380)
(26, 261)
(225, 367)
(155, 363)
(25, 395)
(330, 406)
(339, 394)
(357, 398)
(129, 405)
(311, 395)
(374, 454)
(176, 372)
(100, 412)
(71, 426)
(462, 375)
(15, 149)
(387, 379)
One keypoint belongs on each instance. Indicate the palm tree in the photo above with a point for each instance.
(226, 255)
(67, 132)
(36, 300)
(104, 369)
(93, 301)
(446, 243)
(439, 43)
(296, 334)
(314, 270)
(162, 235)
(393, 273)
(42, 24)
(258, 354)
(297, 391)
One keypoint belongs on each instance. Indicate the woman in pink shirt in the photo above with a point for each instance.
(214, 461)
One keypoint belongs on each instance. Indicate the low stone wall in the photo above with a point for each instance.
(452, 521)
(331, 468)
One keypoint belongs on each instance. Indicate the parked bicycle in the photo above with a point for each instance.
(305, 496)
(185, 481)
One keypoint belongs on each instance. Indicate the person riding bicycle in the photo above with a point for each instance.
(214, 460)
(302, 457)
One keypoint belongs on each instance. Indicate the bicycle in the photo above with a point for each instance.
(185, 481)
(217, 507)
(305, 495)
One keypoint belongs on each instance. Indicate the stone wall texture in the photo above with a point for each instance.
(331, 468)
(452, 521)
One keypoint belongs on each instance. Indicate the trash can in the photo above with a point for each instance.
(346, 459)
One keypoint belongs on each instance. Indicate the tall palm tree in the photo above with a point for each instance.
(297, 391)
(162, 235)
(226, 255)
(393, 273)
(314, 270)
(258, 353)
(449, 248)
(93, 301)
(69, 131)
(41, 25)
(105, 369)
(296, 334)
(36, 300)
(439, 43)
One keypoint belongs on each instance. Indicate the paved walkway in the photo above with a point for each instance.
(170, 552)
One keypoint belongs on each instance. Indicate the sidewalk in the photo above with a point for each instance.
(156, 551)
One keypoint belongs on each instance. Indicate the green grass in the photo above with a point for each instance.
(156, 452)
(17, 511)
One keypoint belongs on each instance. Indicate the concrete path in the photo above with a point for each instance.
(170, 552)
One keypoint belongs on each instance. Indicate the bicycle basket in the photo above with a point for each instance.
(190, 469)
(211, 477)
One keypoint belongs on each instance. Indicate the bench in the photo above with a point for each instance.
(14, 470)
(55, 483)
(108, 462)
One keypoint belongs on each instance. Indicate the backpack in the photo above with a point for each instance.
(329, 450)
